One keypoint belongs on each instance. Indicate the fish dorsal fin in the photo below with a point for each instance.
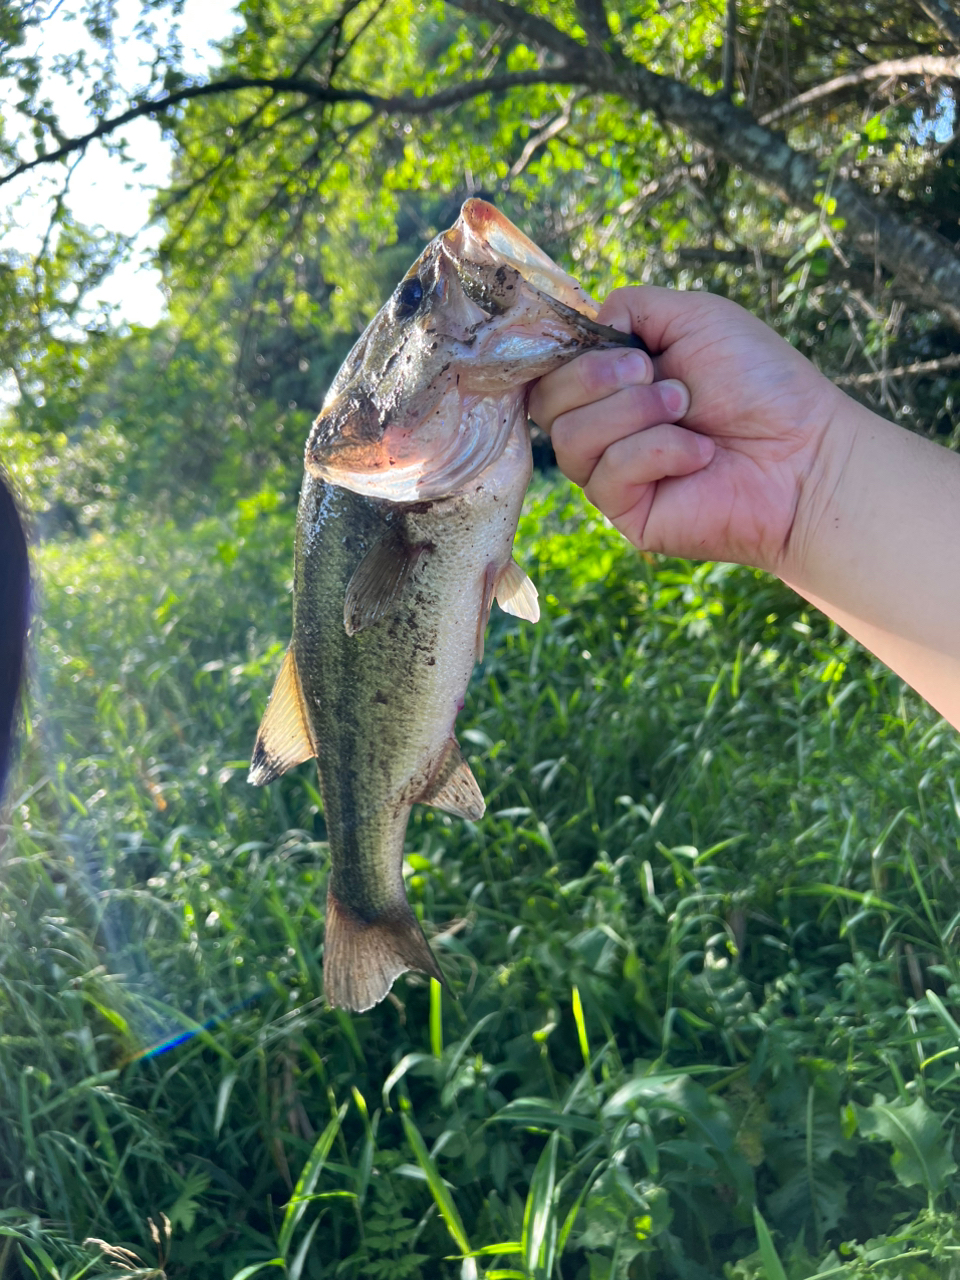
(516, 594)
(453, 787)
(283, 738)
(378, 580)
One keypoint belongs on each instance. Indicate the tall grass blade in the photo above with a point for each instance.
(943, 1013)
(772, 1266)
(581, 1027)
(571, 1218)
(295, 1269)
(43, 1257)
(223, 1100)
(399, 1071)
(246, 1272)
(436, 1018)
(438, 1187)
(540, 1214)
(308, 1181)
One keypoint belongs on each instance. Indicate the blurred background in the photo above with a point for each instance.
(703, 946)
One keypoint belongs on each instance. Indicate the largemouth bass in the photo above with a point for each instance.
(415, 472)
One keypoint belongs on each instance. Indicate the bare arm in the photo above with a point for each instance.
(876, 546)
(731, 446)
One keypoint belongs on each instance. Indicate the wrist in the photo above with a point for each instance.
(876, 531)
(826, 490)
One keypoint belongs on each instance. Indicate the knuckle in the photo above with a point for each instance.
(564, 434)
(593, 373)
(646, 403)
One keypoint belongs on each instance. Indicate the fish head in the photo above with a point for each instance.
(429, 395)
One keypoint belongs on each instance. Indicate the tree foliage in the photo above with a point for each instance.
(800, 157)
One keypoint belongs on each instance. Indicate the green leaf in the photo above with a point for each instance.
(438, 1187)
(772, 1266)
(921, 1144)
(436, 1018)
(307, 1181)
(540, 1214)
(247, 1272)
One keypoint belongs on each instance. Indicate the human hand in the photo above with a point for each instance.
(720, 473)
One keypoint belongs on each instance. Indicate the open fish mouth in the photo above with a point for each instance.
(431, 392)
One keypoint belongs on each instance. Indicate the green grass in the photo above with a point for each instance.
(707, 1013)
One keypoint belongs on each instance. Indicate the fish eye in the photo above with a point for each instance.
(409, 297)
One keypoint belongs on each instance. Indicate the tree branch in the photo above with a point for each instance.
(730, 49)
(593, 18)
(945, 68)
(925, 262)
(403, 104)
(537, 30)
(543, 136)
(944, 17)
(919, 366)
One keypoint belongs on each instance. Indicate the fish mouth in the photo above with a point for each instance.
(428, 398)
(482, 235)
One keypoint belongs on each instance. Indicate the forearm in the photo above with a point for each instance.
(877, 548)
(935, 676)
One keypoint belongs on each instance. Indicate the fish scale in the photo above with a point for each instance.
(416, 469)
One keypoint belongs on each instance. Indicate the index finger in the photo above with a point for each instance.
(590, 377)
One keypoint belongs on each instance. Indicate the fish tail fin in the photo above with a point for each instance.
(362, 958)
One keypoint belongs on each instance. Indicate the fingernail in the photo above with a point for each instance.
(676, 397)
(632, 367)
(706, 446)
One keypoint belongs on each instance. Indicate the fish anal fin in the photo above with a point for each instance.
(379, 579)
(454, 789)
(362, 958)
(516, 594)
(283, 738)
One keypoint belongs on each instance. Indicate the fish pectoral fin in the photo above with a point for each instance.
(454, 789)
(361, 958)
(283, 738)
(516, 594)
(379, 579)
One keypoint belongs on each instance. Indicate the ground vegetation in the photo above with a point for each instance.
(703, 1016)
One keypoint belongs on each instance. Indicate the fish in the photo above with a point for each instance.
(415, 471)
